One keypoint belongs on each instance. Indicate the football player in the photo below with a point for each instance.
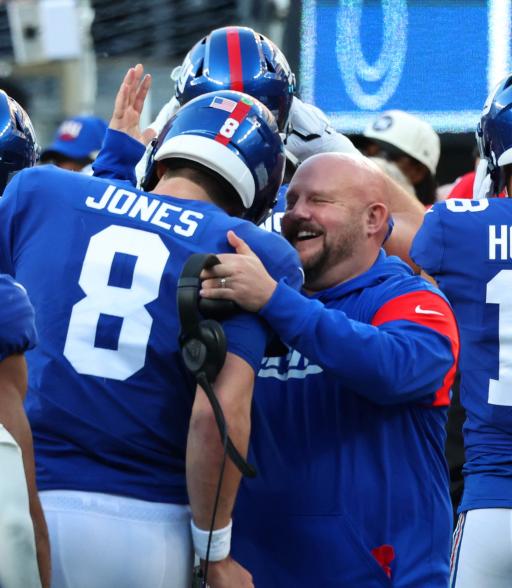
(109, 399)
(466, 245)
(23, 533)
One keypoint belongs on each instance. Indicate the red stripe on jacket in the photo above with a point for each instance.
(430, 310)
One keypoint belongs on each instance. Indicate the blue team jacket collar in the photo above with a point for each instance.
(382, 267)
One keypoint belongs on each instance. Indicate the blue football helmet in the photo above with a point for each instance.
(494, 133)
(233, 135)
(18, 144)
(238, 58)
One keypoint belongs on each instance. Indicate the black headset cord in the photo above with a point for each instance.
(245, 468)
(202, 380)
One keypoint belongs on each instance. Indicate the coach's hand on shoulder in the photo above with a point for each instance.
(129, 103)
(241, 277)
(228, 574)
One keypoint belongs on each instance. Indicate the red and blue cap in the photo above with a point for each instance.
(79, 138)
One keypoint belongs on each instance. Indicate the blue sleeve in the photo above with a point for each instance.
(9, 224)
(400, 361)
(428, 246)
(247, 337)
(118, 157)
(17, 328)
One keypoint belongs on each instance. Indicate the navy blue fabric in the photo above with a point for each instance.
(17, 328)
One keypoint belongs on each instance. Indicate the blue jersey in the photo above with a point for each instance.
(109, 399)
(467, 246)
(273, 222)
(17, 328)
(348, 438)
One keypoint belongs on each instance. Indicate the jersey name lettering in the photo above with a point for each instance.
(294, 365)
(124, 202)
(500, 242)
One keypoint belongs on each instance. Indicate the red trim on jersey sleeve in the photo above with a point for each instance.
(235, 59)
(432, 311)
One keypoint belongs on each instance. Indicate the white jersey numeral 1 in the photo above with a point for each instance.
(498, 292)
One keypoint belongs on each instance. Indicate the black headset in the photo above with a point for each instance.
(203, 342)
(203, 348)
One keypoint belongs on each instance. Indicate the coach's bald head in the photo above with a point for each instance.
(336, 217)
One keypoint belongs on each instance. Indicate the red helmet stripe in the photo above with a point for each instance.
(235, 59)
(241, 110)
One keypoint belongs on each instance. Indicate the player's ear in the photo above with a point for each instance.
(376, 218)
(160, 169)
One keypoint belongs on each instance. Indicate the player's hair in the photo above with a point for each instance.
(219, 190)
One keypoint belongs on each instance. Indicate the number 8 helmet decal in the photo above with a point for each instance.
(238, 58)
(494, 133)
(233, 135)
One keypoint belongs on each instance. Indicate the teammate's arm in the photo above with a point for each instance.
(17, 531)
(407, 212)
(404, 356)
(233, 388)
(124, 143)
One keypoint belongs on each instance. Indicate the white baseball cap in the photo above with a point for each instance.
(408, 133)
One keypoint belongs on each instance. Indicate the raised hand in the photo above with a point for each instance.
(129, 103)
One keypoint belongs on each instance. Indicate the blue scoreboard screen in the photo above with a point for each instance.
(435, 58)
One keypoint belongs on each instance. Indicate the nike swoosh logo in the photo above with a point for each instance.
(419, 310)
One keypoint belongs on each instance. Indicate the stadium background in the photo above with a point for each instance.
(353, 58)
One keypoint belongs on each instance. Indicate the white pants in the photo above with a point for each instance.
(104, 541)
(18, 560)
(482, 549)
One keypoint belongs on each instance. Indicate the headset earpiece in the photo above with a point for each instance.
(202, 340)
(205, 349)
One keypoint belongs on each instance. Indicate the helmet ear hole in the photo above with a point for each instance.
(270, 66)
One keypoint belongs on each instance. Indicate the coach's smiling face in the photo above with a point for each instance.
(326, 219)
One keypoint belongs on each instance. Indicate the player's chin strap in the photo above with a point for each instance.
(203, 347)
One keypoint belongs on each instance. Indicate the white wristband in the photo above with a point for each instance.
(220, 545)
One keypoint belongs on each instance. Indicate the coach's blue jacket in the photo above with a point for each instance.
(348, 437)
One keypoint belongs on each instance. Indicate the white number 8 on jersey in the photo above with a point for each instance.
(125, 303)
